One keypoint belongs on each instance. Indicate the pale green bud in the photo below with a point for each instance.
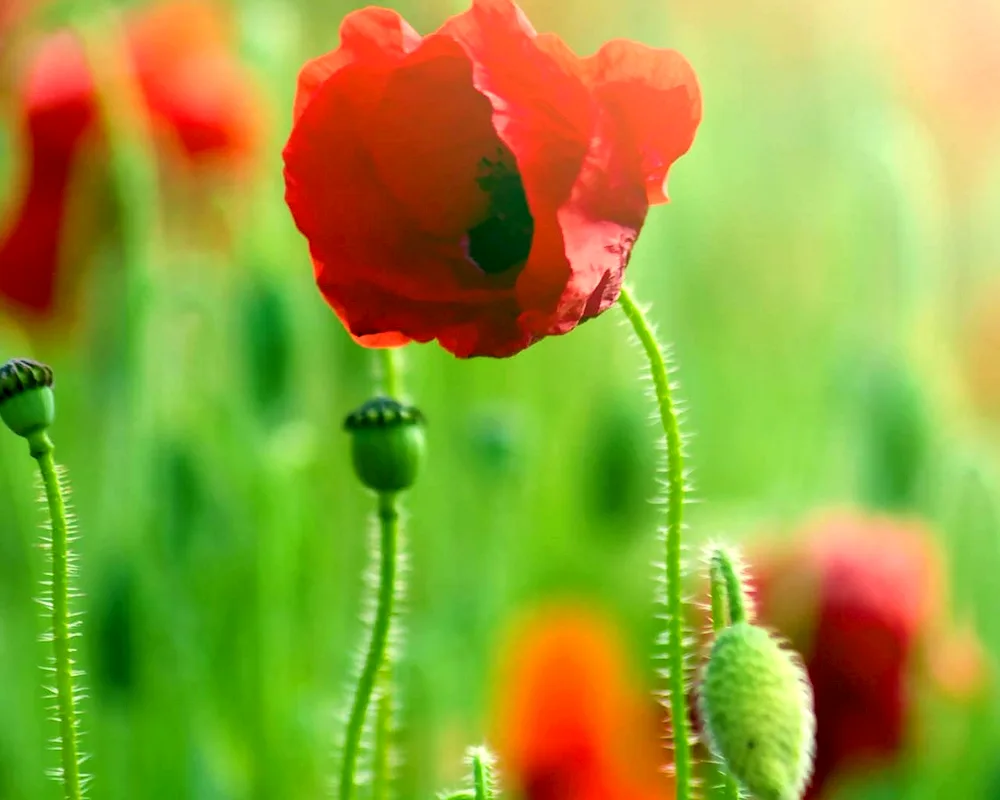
(757, 708)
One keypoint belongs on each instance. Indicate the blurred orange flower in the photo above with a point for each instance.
(572, 722)
(202, 108)
(863, 600)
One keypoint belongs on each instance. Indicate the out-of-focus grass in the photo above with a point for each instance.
(815, 235)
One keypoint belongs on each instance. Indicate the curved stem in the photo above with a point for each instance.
(391, 386)
(388, 519)
(41, 450)
(676, 661)
(726, 583)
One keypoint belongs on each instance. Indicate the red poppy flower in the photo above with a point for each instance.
(481, 186)
(862, 599)
(196, 96)
(572, 723)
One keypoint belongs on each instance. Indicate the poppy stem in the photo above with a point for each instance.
(383, 734)
(388, 515)
(62, 625)
(376, 674)
(727, 609)
(391, 387)
(482, 783)
(390, 372)
(728, 604)
(675, 645)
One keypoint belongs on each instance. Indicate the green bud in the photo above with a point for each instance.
(756, 704)
(27, 404)
(387, 444)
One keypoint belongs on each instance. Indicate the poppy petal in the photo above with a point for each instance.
(542, 112)
(354, 225)
(655, 97)
(374, 265)
(370, 35)
(429, 136)
(599, 225)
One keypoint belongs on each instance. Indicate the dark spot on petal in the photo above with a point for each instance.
(503, 239)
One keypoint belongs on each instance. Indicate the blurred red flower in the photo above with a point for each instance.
(863, 600)
(482, 186)
(571, 721)
(201, 107)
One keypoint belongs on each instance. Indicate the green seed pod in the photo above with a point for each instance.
(756, 704)
(387, 444)
(27, 404)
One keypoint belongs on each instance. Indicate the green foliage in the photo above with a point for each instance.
(222, 557)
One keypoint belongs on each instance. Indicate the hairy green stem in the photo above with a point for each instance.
(726, 583)
(389, 523)
(389, 359)
(725, 611)
(676, 661)
(480, 777)
(381, 767)
(65, 691)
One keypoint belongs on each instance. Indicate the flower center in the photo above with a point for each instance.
(503, 239)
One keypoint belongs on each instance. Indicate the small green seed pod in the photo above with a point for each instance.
(756, 704)
(387, 444)
(27, 403)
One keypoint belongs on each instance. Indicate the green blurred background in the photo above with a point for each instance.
(828, 273)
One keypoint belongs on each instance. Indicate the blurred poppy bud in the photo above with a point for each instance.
(620, 458)
(267, 338)
(895, 428)
(495, 441)
(27, 404)
(387, 444)
(756, 704)
(114, 631)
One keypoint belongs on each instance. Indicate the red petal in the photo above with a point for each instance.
(464, 329)
(429, 135)
(29, 250)
(654, 96)
(598, 226)
(542, 112)
(370, 35)
(58, 95)
(381, 273)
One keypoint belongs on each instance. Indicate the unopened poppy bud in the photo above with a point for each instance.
(27, 404)
(756, 704)
(387, 444)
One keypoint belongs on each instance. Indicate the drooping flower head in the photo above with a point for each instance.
(199, 101)
(572, 722)
(482, 186)
(863, 600)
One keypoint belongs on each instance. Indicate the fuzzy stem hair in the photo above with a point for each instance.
(675, 643)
